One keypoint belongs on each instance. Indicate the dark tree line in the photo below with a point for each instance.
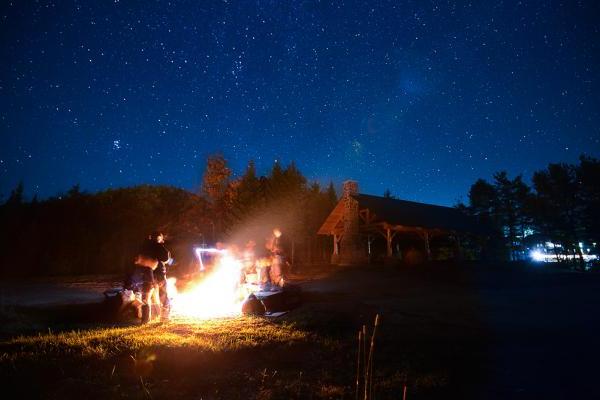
(562, 206)
(83, 233)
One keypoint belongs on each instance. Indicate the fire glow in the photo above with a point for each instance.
(217, 295)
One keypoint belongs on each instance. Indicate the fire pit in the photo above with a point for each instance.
(220, 293)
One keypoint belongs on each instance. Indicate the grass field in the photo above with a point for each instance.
(431, 339)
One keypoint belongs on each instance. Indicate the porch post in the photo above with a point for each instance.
(388, 238)
(336, 249)
(427, 249)
(458, 251)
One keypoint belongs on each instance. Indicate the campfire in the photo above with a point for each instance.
(219, 294)
(233, 281)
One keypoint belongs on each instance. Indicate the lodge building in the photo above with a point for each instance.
(358, 220)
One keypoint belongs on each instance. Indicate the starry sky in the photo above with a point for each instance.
(421, 97)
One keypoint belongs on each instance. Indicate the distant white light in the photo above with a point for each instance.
(537, 255)
(117, 144)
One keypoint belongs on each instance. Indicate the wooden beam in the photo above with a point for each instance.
(389, 242)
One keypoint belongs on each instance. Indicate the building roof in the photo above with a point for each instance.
(408, 214)
(332, 220)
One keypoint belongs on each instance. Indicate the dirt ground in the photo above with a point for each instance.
(447, 331)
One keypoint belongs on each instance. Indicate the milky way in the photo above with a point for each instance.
(420, 97)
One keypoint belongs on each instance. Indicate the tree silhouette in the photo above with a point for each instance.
(388, 194)
(512, 205)
(218, 190)
(558, 209)
(331, 195)
(504, 205)
(563, 208)
(16, 195)
(588, 174)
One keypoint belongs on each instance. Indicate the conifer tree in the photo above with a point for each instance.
(219, 191)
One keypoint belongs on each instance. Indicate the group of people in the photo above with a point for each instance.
(149, 277)
(266, 271)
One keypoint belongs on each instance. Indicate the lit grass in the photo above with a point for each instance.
(427, 340)
(201, 336)
(221, 358)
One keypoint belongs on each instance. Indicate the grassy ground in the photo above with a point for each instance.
(430, 339)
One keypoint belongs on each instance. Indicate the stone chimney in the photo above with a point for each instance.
(351, 248)
(350, 188)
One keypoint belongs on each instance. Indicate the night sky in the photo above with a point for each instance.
(421, 97)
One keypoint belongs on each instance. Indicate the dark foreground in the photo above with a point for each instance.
(543, 341)
(447, 332)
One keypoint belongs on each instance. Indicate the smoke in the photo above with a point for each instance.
(285, 214)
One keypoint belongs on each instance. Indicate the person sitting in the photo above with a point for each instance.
(141, 281)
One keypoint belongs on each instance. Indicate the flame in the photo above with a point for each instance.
(217, 295)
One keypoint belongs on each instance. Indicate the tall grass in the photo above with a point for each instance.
(365, 360)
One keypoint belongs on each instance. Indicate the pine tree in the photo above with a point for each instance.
(16, 195)
(275, 182)
(74, 192)
(219, 192)
(507, 209)
(558, 209)
(215, 178)
(483, 201)
(588, 174)
(249, 194)
(331, 194)
(294, 180)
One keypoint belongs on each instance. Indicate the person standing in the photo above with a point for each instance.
(276, 249)
(154, 248)
(248, 261)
